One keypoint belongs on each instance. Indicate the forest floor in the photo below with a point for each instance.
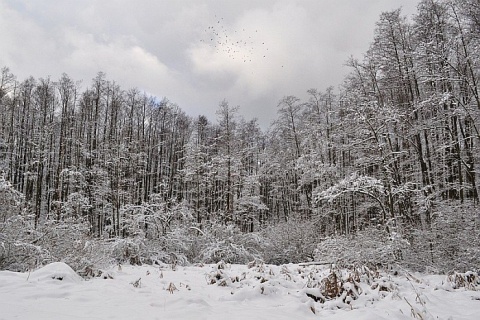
(231, 292)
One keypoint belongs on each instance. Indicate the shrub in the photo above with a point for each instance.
(371, 247)
(229, 244)
(293, 241)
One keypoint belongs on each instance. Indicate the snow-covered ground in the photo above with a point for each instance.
(230, 292)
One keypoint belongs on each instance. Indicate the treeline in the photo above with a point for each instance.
(398, 143)
(103, 152)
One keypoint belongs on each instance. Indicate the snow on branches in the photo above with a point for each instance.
(355, 183)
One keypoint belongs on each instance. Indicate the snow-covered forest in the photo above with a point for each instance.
(384, 171)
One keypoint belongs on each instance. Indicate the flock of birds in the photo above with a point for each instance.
(245, 45)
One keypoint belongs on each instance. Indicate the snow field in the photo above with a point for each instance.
(224, 291)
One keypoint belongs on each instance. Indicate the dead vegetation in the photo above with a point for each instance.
(89, 272)
(171, 288)
(469, 280)
(137, 283)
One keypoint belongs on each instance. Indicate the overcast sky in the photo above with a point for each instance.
(194, 52)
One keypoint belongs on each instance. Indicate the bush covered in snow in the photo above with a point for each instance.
(21, 244)
(372, 246)
(228, 243)
(290, 242)
(452, 242)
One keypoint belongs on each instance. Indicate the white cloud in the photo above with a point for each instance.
(155, 45)
(121, 59)
(272, 44)
(24, 43)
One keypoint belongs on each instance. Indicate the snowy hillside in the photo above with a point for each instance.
(223, 291)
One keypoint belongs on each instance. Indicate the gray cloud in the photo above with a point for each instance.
(156, 46)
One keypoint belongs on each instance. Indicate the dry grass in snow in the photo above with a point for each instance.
(254, 291)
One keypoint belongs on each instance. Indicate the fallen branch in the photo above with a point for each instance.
(314, 263)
